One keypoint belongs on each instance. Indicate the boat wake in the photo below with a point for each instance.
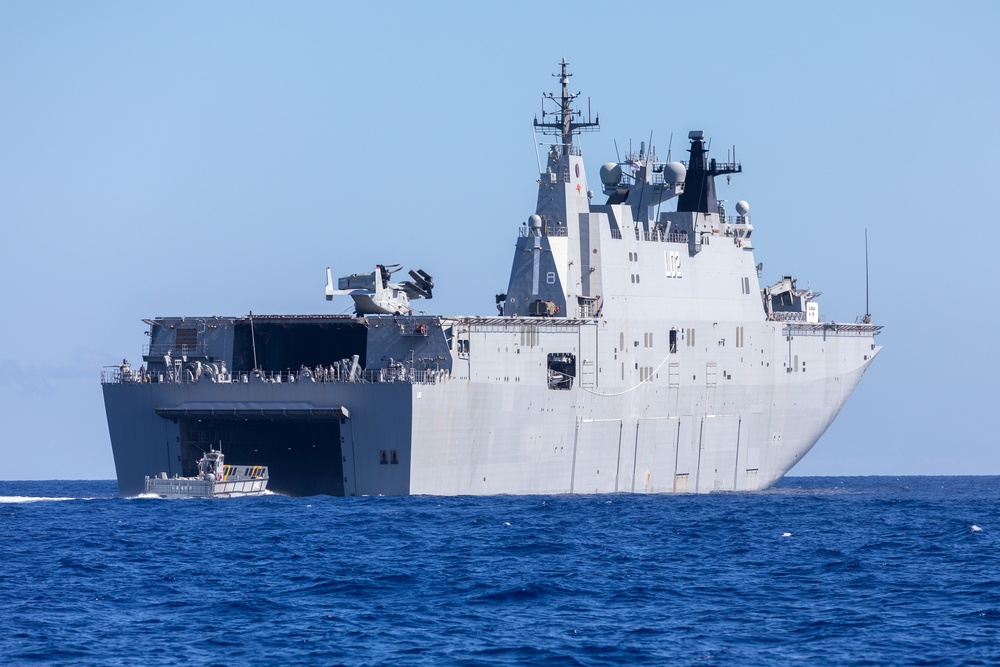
(155, 496)
(33, 499)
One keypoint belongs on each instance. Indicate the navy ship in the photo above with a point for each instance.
(634, 350)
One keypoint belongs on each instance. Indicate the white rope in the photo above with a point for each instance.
(621, 393)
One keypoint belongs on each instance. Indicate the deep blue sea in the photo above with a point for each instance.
(819, 570)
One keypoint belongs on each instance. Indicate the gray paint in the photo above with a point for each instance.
(465, 403)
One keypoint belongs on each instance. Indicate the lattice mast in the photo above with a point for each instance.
(569, 120)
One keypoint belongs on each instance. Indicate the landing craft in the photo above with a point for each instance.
(634, 351)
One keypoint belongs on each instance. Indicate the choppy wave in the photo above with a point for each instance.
(817, 571)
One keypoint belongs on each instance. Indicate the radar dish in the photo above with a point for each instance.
(611, 174)
(674, 172)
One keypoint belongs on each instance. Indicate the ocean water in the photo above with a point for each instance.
(837, 571)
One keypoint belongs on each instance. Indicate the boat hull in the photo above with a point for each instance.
(477, 433)
(181, 487)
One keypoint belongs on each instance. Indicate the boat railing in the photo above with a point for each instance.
(115, 376)
(551, 229)
(402, 373)
(376, 375)
(655, 235)
(661, 235)
(659, 179)
(826, 329)
(176, 351)
(787, 316)
(231, 473)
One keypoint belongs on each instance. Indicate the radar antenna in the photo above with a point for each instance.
(566, 126)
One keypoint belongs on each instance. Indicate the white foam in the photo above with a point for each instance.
(179, 497)
(32, 499)
(975, 529)
(786, 534)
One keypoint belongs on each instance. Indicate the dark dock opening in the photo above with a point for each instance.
(303, 456)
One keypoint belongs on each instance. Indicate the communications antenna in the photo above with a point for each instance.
(565, 121)
(868, 312)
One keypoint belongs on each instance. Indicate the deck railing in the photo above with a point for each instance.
(176, 351)
(655, 235)
(378, 375)
(787, 316)
(826, 329)
(551, 229)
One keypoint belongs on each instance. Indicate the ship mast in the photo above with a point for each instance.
(699, 183)
(566, 126)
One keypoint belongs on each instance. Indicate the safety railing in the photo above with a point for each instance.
(176, 351)
(656, 235)
(827, 329)
(787, 316)
(550, 229)
(331, 374)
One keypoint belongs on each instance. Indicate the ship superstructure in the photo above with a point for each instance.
(634, 350)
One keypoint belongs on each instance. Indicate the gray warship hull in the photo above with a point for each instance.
(635, 351)
(709, 419)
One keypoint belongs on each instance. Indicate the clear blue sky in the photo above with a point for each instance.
(213, 158)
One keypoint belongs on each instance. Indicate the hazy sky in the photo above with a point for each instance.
(213, 158)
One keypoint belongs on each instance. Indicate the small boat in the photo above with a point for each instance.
(215, 479)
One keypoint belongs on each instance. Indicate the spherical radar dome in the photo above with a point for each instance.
(535, 221)
(742, 207)
(611, 174)
(674, 172)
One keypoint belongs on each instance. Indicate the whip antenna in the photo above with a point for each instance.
(534, 140)
(868, 312)
(253, 342)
